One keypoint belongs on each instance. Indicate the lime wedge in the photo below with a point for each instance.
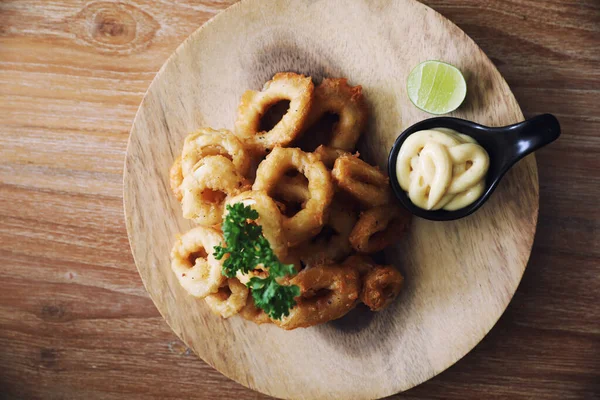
(436, 87)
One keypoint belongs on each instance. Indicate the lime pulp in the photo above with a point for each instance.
(436, 87)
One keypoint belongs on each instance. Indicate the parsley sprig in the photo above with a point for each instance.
(248, 248)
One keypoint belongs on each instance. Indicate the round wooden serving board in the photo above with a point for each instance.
(460, 275)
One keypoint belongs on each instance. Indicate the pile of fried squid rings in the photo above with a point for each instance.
(321, 207)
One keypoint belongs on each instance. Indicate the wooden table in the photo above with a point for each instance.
(75, 320)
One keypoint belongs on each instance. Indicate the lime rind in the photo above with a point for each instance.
(436, 87)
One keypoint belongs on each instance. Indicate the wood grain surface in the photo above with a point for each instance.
(75, 320)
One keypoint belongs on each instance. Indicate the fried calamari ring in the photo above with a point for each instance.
(364, 182)
(381, 283)
(332, 243)
(310, 219)
(328, 155)
(252, 313)
(231, 297)
(192, 261)
(269, 218)
(335, 96)
(378, 227)
(176, 178)
(296, 88)
(381, 286)
(205, 189)
(327, 292)
(209, 142)
(360, 262)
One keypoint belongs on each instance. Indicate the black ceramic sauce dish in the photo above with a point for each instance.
(505, 146)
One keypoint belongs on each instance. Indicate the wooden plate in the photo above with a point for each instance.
(460, 275)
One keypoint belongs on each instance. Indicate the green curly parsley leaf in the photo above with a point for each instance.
(247, 248)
